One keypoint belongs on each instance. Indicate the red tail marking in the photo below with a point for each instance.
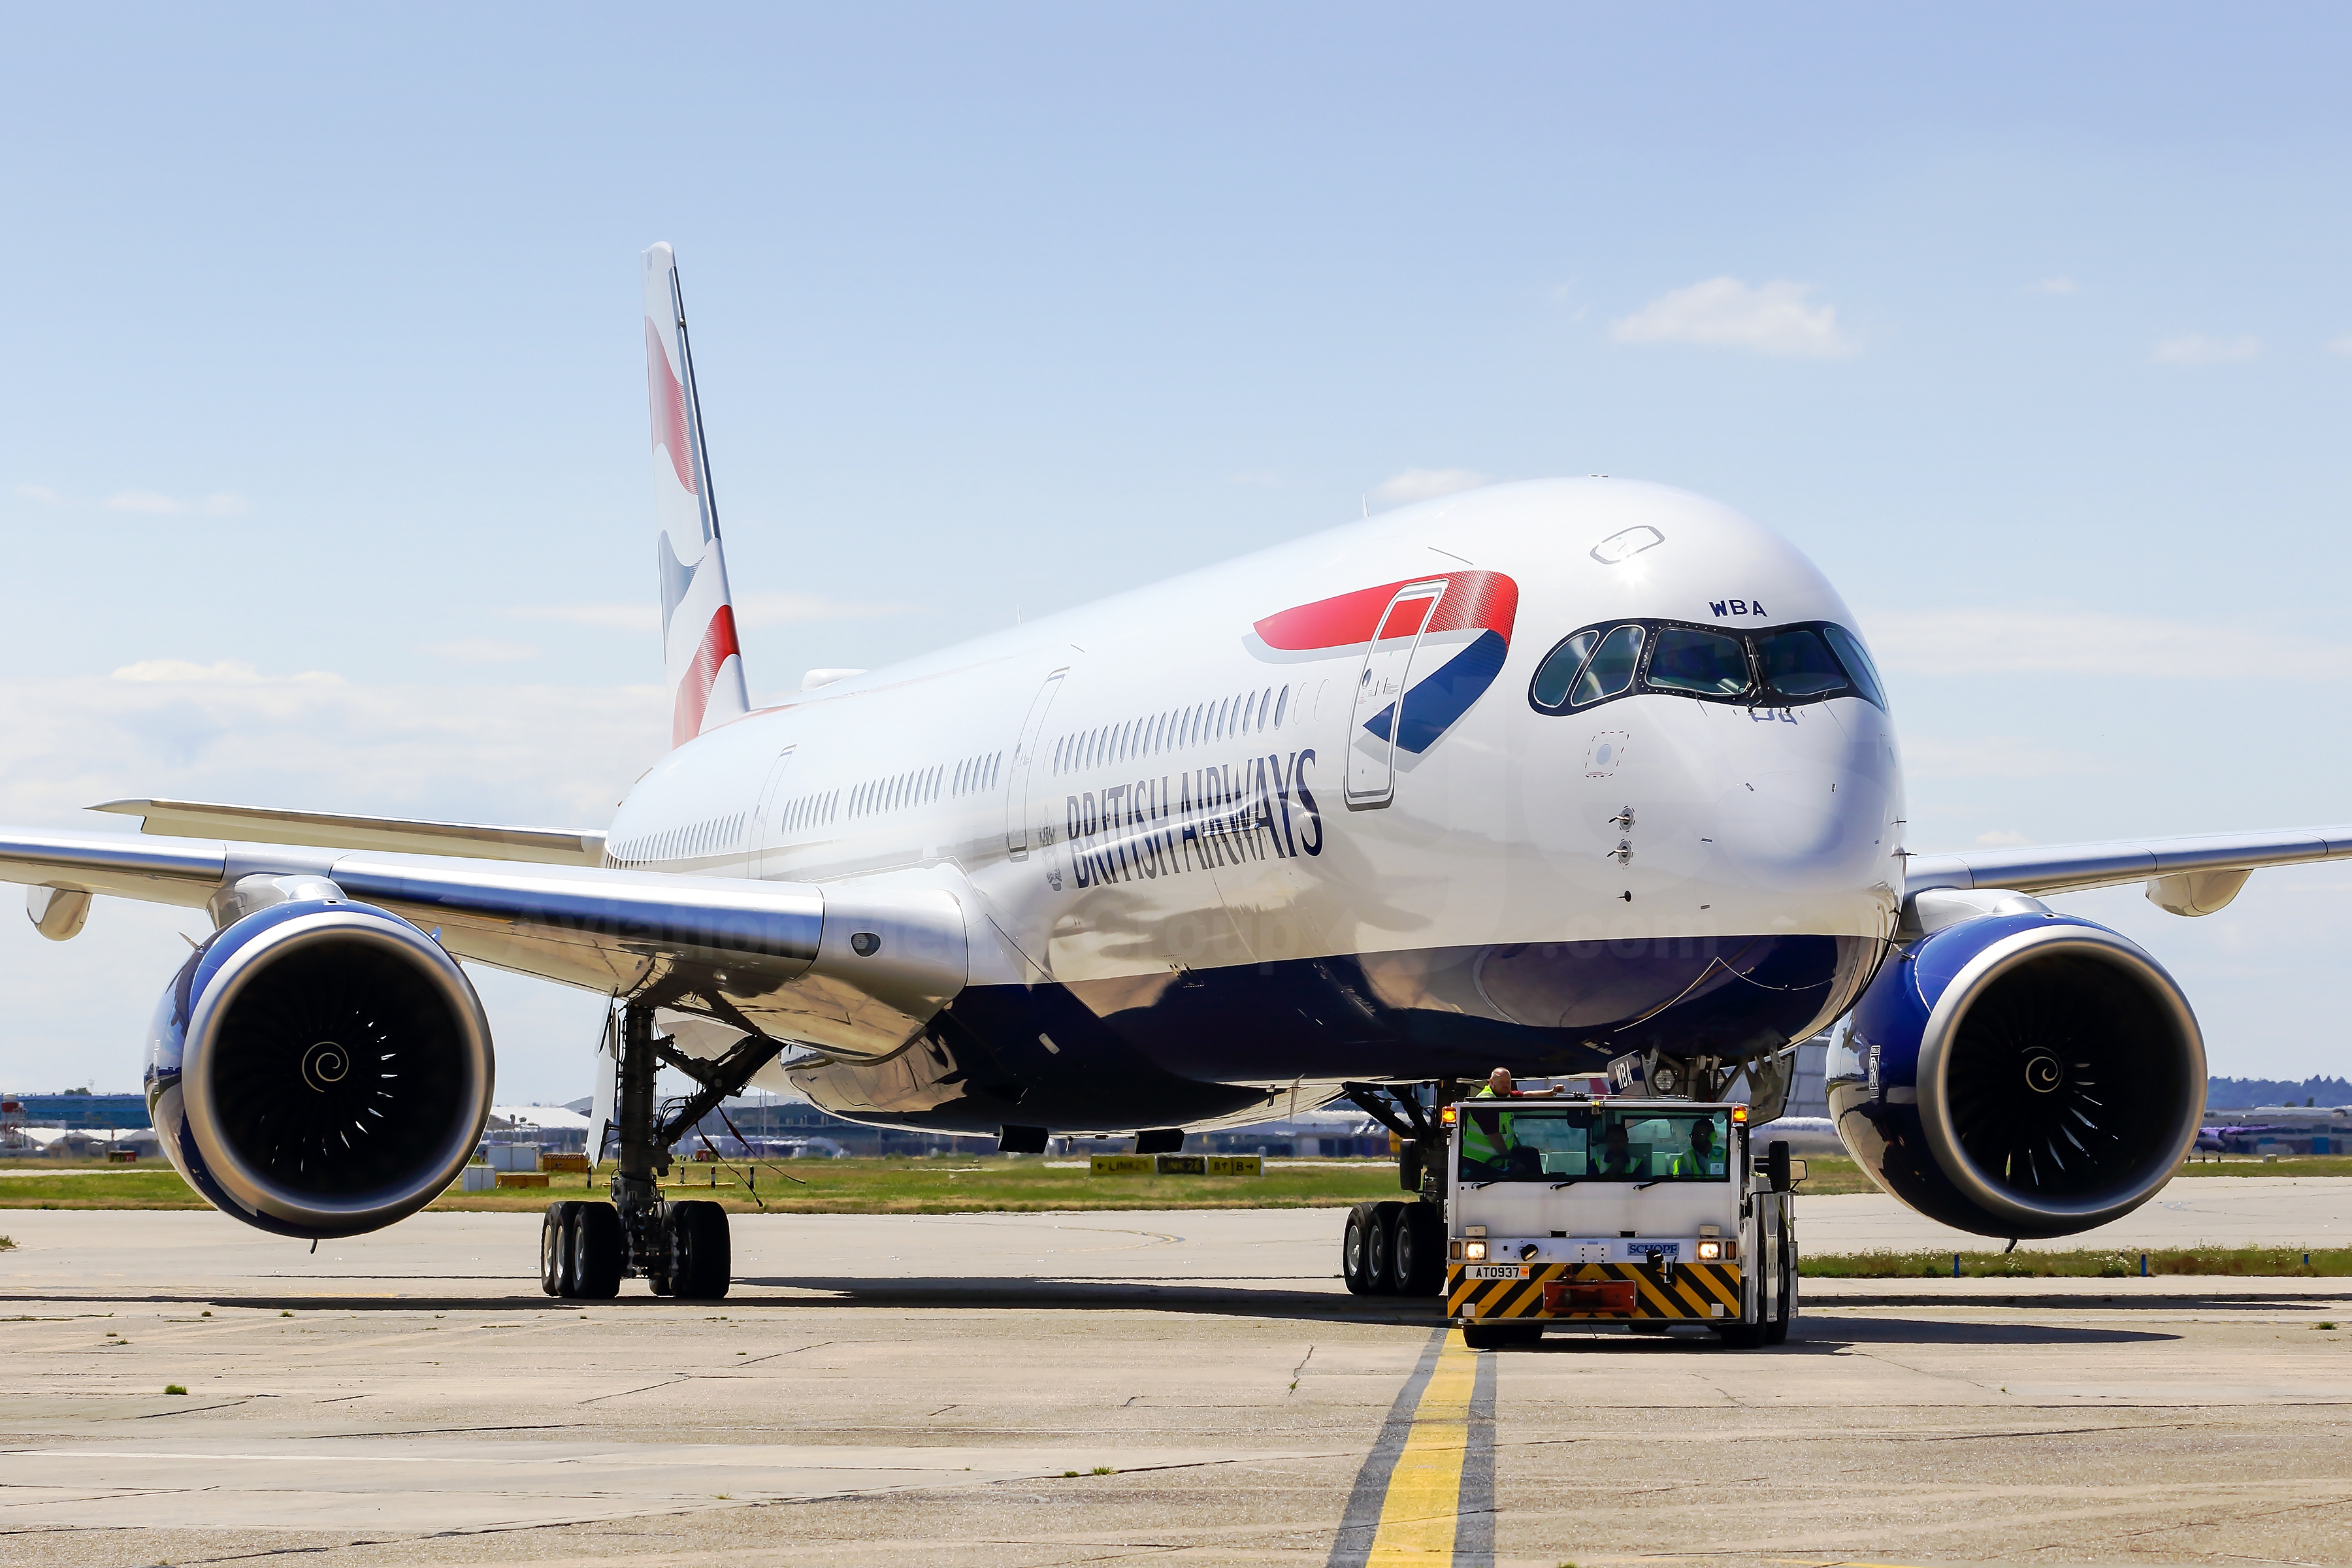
(694, 690)
(667, 398)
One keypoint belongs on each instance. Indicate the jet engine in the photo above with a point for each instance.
(2021, 1073)
(319, 1068)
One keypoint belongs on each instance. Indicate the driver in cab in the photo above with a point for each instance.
(1617, 1155)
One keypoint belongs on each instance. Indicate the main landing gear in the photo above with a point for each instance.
(586, 1248)
(1396, 1247)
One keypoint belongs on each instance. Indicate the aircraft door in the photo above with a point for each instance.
(1379, 694)
(767, 830)
(1016, 774)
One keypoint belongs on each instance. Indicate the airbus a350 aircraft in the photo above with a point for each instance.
(1549, 776)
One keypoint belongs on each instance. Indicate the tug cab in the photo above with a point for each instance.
(1608, 1213)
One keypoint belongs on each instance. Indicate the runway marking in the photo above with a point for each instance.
(1426, 1491)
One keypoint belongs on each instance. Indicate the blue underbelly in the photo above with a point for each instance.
(1103, 1056)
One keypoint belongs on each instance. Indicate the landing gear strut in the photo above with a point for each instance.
(1396, 1248)
(681, 1249)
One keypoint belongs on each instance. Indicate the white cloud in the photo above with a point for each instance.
(222, 672)
(760, 609)
(146, 501)
(2196, 348)
(1424, 484)
(2342, 345)
(481, 650)
(227, 731)
(644, 617)
(1723, 312)
(2053, 286)
(1261, 479)
(2060, 640)
(2001, 835)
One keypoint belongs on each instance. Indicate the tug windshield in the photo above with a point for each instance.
(1510, 1140)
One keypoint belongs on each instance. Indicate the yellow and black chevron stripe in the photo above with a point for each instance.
(1698, 1289)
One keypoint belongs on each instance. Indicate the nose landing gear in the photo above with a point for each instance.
(681, 1249)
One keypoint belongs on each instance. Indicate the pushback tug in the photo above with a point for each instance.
(1588, 1212)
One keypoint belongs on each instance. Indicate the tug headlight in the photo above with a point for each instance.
(1710, 1251)
(1475, 1251)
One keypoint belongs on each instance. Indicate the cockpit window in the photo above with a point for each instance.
(1708, 663)
(1560, 668)
(1856, 659)
(1772, 666)
(1611, 673)
(1797, 663)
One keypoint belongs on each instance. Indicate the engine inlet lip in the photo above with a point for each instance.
(1943, 1029)
(252, 1188)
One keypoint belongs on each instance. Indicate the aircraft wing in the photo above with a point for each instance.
(327, 830)
(2193, 875)
(775, 958)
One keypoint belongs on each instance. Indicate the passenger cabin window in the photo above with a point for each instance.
(1774, 667)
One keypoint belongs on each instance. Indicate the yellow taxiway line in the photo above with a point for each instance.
(1423, 1507)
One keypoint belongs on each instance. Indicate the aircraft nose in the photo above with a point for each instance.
(1807, 813)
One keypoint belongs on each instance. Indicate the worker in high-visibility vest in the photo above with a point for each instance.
(1487, 1135)
(1702, 1159)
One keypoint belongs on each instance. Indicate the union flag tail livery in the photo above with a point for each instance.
(704, 665)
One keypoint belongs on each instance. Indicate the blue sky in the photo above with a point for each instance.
(322, 466)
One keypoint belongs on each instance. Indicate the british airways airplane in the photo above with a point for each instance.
(1549, 776)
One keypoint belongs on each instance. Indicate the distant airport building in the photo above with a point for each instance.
(76, 1125)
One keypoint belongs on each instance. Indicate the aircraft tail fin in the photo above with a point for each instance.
(700, 656)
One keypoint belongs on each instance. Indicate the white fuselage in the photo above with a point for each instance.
(1136, 797)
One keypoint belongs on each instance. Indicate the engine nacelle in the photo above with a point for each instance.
(2025, 1074)
(319, 1069)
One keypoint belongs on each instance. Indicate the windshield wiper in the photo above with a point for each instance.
(1644, 1186)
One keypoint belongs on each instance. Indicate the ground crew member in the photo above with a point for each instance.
(1702, 1158)
(1617, 1156)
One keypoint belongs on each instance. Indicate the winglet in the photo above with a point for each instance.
(703, 662)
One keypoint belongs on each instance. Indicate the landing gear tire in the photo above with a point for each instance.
(596, 1251)
(1356, 1250)
(555, 1248)
(701, 1258)
(1416, 1251)
(1386, 1217)
(1776, 1332)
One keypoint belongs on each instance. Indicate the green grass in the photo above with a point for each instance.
(2284, 1165)
(69, 1186)
(2267, 1262)
(964, 1185)
(961, 1184)
(969, 1185)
